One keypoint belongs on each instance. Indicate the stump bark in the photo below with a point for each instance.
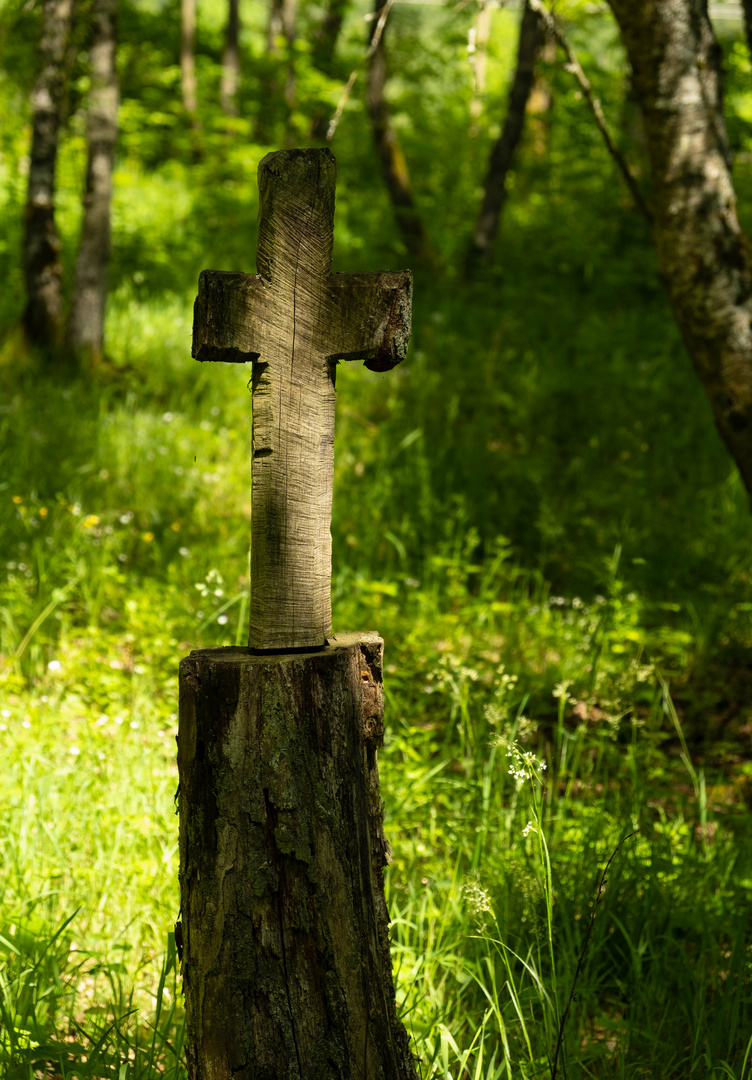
(286, 964)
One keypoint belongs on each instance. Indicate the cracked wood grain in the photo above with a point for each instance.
(294, 320)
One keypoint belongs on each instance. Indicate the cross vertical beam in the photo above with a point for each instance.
(294, 320)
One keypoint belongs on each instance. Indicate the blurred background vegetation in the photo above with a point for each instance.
(535, 511)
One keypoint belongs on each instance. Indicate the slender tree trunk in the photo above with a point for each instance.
(41, 254)
(540, 103)
(393, 164)
(283, 18)
(747, 7)
(326, 35)
(478, 51)
(323, 48)
(532, 37)
(188, 57)
(86, 321)
(704, 256)
(228, 87)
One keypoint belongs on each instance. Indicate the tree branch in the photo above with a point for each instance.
(574, 67)
(375, 39)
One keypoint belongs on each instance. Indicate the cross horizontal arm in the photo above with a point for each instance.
(370, 318)
(229, 317)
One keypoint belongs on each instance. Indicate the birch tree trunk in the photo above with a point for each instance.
(230, 81)
(393, 164)
(704, 256)
(86, 321)
(43, 272)
(532, 37)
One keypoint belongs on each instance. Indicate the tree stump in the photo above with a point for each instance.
(286, 964)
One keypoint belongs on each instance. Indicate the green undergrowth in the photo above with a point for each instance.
(617, 656)
(487, 675)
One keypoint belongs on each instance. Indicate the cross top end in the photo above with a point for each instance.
(294, 320)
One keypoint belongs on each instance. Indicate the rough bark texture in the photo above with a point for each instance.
(294, 321)
(230, 81)
(705, 258)
(86, 321)
(42, 268)
(286, 964)
(391, 157)
(532, 37)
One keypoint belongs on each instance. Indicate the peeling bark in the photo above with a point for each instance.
(86, 321)
(286, 964)
(704, 256)
(392, 159)
(43, 271)
(532, 38)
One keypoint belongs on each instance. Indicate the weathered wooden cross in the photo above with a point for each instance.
(295, 319)
(286, 959)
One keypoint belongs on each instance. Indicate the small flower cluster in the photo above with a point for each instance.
(524, 764)
(476, 897)
(213, 585)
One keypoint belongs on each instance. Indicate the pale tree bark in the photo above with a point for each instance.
(392, 159)
(86, 321)
(188, 57)
(43, 271)
(531, 40)
(230, 81)
(704, 255)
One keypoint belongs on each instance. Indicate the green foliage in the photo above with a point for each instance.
(534, 510)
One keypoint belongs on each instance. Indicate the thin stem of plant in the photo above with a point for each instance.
(383, 16)
(574, 67)
(598, 898)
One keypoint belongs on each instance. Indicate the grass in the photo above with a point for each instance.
(489, 915)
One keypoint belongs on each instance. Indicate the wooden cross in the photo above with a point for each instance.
(295, 320)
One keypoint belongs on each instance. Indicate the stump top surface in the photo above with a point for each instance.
(233, 654)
